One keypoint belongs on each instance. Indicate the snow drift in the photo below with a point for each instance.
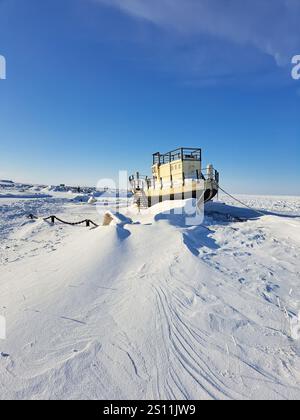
(148, 308)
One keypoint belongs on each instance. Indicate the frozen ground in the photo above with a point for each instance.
(150, 308)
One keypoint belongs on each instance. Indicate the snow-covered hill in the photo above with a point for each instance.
(151, 308)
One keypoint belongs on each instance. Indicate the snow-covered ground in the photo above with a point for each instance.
(149, 308)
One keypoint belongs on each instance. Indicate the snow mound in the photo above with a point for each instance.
(82, 198)
(6, 183)
(149, 308)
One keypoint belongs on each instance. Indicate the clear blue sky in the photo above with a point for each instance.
(94, 86)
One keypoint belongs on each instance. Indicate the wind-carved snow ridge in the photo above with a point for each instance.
(148, 307)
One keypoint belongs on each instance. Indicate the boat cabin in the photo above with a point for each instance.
(178, 165)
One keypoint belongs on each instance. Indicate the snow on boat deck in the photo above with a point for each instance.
(151, 309)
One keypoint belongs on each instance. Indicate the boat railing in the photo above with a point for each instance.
(143, 182)
(183, 154)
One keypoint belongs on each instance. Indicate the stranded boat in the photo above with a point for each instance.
(176, 175)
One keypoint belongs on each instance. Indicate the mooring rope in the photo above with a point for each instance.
(53, 218)
(240, 202)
